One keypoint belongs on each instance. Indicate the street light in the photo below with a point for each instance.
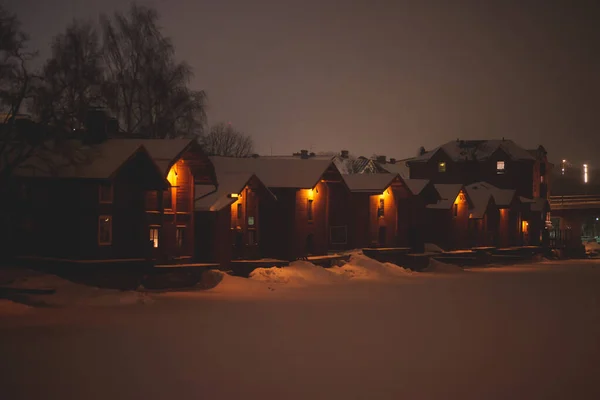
(585, 173)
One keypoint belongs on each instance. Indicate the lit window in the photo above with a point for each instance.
(180, 236)
(106, 192)
(310, 209)
(500, 167)
(154, 236)
(455, 210)
(442, 167)
(239, 211)
(105, 230)
(381, 208)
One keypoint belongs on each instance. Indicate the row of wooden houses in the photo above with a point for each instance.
(165, 201)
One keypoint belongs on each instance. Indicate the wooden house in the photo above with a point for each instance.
(310, 215)
(484, 216)
(448, 218)
(379, 208)
(423, 193)
(510, 222)
(87, 203)
(228, 219)
(502, 163)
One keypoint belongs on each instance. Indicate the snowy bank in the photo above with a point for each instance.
(305, 273)
(441, 267)
(68, 293)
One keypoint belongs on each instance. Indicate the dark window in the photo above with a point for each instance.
(106, 192)
(382, 235)
(381, 208)
(455, 210)
(442, 166)
(543, 168)
(310, 210)
(239, 211)
(154, 234)
(180, 236)
(105, 230)
(168, 199)
(251, 237)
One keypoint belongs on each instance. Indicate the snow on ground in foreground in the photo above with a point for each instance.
(528, 333)
(592, 247)
(8, 307)
(303, 272)
(441, 267)
(71, 294)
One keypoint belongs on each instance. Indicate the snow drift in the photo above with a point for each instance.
(436, 266)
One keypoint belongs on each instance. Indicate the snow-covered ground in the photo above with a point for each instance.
(363, 331)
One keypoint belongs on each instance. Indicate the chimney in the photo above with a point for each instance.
(392, 161)
(304, 154)
(381, 159)
(96, 126)
(344, 153)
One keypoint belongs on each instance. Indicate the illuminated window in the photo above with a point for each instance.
(239, 211)
(154, 233)
(310, 209)
(380, 209)
(500, 167)
(455, 210)
(106, 192)
(442, 167)
(104, 230)
(180, 236)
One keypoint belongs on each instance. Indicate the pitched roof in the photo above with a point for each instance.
(416, 186)
(229, 183)
(280, 172)
(459, 150)
(448, 193)
(163, 151)
(480, 198)
(75, 160)
(502, 197)
(399, 167)
(375, 183)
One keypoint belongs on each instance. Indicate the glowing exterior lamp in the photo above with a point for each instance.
(585, 173)
(311, 194)
(172, 176)
(233, 195)
(562, 170)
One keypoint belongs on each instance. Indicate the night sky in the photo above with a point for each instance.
(380, 77)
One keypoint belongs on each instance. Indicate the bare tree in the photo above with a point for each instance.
(145, 86)
(224, 140)
(17, 85)
(72, 78)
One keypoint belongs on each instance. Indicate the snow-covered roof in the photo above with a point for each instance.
(277, 172)
(76, 160)
(480, 199)
(164, 152)
(448, 193)
(375, 183)
(399, 167)
(459, 150)
(229, 183)
(502, 197)
(416, 186)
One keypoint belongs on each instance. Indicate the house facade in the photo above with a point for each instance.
(448, 218)
(228, 220)
(310, 215)
(91, 207)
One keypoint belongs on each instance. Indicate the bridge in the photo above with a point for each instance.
(575, 202)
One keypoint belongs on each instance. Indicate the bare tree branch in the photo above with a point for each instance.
(224, 140)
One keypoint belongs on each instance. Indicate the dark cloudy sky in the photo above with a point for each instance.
(381, 77)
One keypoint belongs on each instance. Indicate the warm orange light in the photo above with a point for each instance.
(311, 194)
(525, 225)
(234, 195)
(172, 176)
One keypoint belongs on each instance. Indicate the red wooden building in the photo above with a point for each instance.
(380, 210)
(228, 219)
(448, 218)
(310, 215)
(170, 213)
(88, 206)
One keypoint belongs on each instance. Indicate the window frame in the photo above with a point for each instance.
(381, 208)
(155, 241)
(310, 210)
(102, 219)
(111, 191)
(180, 236)
(500, 170)
(442, 166)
